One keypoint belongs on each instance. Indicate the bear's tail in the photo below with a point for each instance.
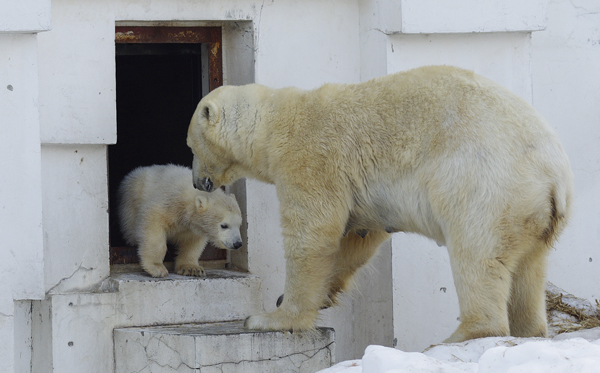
(560, 210)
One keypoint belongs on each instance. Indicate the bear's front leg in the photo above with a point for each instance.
(152, 250)
(186, 262)
(307, 278)
(311, 240)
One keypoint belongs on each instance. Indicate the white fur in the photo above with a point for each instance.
(158, 204)
(438, 151)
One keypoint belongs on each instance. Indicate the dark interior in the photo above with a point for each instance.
(158, 88)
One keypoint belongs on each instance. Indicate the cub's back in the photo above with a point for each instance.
(150, 186)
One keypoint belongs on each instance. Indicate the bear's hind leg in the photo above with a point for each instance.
(355, 251)
(483, 288)
(527, 303)
(186, 262)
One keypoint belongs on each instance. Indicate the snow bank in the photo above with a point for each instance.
(566, 353)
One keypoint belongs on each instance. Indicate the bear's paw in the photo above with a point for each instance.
(191, 270)
(281, 320)
(155, 270)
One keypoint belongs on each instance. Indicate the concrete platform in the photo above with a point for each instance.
(224, 347)
(73, 332)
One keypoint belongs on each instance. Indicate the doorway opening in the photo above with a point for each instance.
(161, 75)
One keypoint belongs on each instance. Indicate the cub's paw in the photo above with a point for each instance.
(190, 270)
(156, 269)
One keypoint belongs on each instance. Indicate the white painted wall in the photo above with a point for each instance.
(21, 251)
(75, 217)
(466, 16)
(25, 16)
(566, 91)
(503, 57)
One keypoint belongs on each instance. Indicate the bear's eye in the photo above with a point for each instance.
(224, 226)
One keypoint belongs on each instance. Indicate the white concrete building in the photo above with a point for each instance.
(59, 94)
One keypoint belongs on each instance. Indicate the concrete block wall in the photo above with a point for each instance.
(21, 251)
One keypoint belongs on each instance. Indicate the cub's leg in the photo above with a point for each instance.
(355, 251)
(483, 286)
(311, 241)
(527, 304)
(152, 249)
(186, 262)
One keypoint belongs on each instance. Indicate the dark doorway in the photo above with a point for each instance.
(159, 84)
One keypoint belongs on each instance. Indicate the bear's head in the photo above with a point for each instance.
(215, 141)
(218, 216)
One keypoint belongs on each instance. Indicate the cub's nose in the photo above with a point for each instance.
(237, 245)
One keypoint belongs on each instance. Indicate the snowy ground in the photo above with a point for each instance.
(576, 352)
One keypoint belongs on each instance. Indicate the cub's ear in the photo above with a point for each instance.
(201, 202)
(210, 111)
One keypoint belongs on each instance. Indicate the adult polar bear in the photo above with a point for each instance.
(438, 151)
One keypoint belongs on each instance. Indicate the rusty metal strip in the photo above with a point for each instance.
(215, 63)
(156, 34)
(153, 34)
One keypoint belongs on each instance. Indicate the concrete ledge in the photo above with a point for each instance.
(221, 347)
(73, 332)
(462, 16)
(25, 16)
(220, 296)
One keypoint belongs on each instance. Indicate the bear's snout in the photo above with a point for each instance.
(206, 185)
(237, 245)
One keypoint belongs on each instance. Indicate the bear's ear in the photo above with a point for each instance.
(210, 111)
(201, 202)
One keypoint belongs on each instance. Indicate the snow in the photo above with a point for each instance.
(565, 353)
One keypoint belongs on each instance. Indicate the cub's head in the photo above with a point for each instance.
(219, 217)
(215, 141)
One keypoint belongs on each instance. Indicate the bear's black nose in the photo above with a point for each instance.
(237, 245)
(206, 184)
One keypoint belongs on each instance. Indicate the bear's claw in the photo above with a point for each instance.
(191, 271)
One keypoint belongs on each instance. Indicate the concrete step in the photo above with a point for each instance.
(73, 331)
(224, 347)
(222, 295)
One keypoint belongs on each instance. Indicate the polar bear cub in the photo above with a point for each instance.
(158, 204)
